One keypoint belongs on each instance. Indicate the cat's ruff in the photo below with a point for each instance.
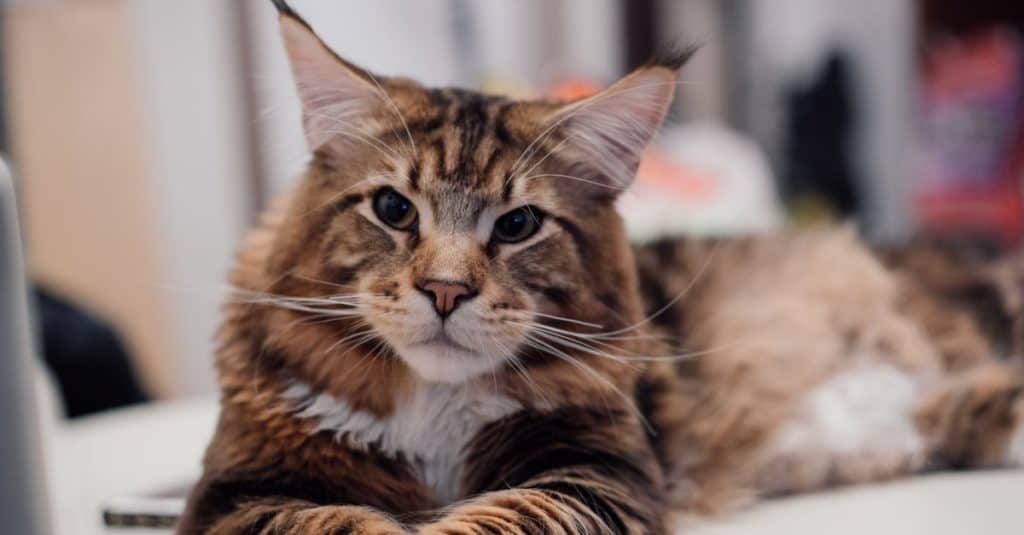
(429, 428)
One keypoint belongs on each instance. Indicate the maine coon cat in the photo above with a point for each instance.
(444, 329)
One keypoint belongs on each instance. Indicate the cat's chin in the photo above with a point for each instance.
(446, 362)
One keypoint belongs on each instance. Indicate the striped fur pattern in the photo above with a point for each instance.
(353, 403)
(442, 372)
(816, 363)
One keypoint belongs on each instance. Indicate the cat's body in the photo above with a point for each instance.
(442, 330)
(817, 365)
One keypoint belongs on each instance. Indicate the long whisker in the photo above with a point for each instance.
(578, 179)
(356, 135)
(561, 355)
(384, 95)
(588, 336)
(567, 320)
(581, 345)
(692, 284)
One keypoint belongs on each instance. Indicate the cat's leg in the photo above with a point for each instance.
(527, 511)
(277, 505)
(976, 419)
(294, 517)
(570, 471)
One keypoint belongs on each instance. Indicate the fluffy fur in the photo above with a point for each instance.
(574, 385)
(816, 364)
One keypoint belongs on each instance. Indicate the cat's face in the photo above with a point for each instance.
(461, 233)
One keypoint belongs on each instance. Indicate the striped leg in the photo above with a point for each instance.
(291, 517)
(977, 419)
(520, 512)
(572, 471)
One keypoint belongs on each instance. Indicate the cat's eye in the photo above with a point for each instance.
(518, 225)
(394, 209)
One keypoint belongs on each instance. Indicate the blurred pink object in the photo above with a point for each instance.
(702, 179)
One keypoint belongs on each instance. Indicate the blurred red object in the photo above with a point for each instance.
(573, 89)
(973, 139)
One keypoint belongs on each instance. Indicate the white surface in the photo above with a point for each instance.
(149, 449)
(978, 503)
(124, 453)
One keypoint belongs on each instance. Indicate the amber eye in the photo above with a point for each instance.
(394, 209)
(518, 225)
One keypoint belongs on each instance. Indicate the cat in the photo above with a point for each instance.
(444, 329)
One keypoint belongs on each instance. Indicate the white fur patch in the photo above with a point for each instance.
(430, 430)
(858, 424)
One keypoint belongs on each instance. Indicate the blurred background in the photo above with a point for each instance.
(147, 134)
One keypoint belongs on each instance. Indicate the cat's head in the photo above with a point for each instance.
(454, 232)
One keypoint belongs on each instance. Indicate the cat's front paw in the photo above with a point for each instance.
(378, 529)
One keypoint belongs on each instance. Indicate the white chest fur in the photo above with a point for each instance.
(430, 429)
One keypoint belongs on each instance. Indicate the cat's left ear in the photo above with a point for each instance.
(336, 95)
(609, 131)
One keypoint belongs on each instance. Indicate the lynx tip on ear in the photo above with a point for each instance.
(283, 7)
(286, 10)
(673, 57)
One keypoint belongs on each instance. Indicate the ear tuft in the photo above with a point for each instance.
(284, 9)
(674, 57)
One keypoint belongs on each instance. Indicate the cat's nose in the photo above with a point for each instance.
(446, 295)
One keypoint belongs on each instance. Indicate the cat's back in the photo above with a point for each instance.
(771, 291)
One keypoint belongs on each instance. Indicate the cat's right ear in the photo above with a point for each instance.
(337, 97)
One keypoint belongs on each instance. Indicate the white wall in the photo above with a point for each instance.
(702, 93)
(192, 98)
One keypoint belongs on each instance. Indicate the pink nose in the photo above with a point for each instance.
(446, 295)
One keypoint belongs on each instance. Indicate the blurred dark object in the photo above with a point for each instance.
(87, 357)
(969, 181)
(957, 17)
(820, 129)
(640, 19)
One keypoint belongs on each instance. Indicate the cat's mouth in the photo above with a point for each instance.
(442, 341)
(443, 359)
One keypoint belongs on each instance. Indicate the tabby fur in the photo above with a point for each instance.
(579, 386)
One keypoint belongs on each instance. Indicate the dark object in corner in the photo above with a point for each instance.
(91, 365)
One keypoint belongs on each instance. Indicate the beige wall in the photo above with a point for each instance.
(78, 134)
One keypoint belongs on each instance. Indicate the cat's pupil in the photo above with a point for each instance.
(514, 223)
(395, 208)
